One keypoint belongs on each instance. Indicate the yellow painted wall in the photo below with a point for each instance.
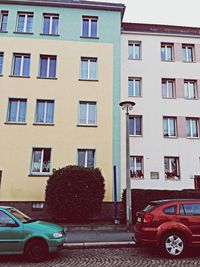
(17, 141)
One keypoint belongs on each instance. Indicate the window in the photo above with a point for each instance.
(192, 127)
(47, 66)
(134, 50)
(21, 65)
(5, 220)
(86, 158)
(166, 52)
(87, 113)
(168, 88)
(25, 22)
(44, 111)
(134, 86)
(41, 160)
(16, 110)
(50, 24)
(190, 89)
(1, 63)
(135, 125)
(170, 210)
(188, 53)
(89, 26)
(4, 21)
(136, 167)
(172, 168)
(169, 127)
(190, 209)
(89, 68)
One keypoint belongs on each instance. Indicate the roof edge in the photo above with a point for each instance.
(160, 28)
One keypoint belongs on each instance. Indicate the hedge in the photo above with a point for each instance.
(141, 198)
(75, 193)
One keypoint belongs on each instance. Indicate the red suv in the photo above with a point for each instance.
(173, 225)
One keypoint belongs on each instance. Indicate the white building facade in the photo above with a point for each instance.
(161, 74)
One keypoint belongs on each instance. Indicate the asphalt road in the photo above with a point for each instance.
(107, 257)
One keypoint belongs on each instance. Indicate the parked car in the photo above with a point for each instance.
(19, 234)
(172, 225)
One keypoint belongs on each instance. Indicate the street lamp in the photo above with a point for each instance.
(127, 106)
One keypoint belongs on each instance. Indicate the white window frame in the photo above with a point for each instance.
(186, 52)
(25, 21)
(45, 111)
(89, 60)
(18, 100)
(134, 159)
(134, 124)
(133, 80)
(169, 126)
(191, 120)
(133, 44)
(51, 16)
(86, 150)
(166, 46)
(41, 161)
(89, 26)
(22, 56)
(48, 66)
(166, 82)
(172, 177)
(190, 85)
(87, 103)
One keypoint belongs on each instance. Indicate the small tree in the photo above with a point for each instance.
(75, 193)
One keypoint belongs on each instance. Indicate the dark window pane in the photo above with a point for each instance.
(43, 67)
(85, 29)
(52, 69)
(46, 25)
(93, 28)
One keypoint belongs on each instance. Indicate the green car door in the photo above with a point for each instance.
(11, 234)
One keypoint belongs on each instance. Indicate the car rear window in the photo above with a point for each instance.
(170, 210)
(150, 207)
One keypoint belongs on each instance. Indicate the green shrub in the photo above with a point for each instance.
(141, 197)
(75, 193)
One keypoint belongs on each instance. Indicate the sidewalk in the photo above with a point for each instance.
(93, 236)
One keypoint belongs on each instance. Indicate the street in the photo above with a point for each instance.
(106, 257)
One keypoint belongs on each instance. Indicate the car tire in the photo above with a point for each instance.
(173, 245)
(36, 250)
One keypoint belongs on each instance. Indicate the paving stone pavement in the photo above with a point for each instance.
(106, 257)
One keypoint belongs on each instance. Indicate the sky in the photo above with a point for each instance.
(170, 12)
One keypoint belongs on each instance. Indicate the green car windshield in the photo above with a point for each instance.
(20, 215)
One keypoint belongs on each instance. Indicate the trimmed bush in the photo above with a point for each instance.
(75, 193)
(141, 197)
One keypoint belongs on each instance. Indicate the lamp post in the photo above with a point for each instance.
(127, 106)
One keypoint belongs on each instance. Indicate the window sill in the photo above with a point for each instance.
(47, 78)
(89, 37)
(169, 97)
(86, 125)
(43, 124)
(15, 123)
(49, 34)
(88, 80)
(39, 174)
(193, 138)
(191, 98)
(173, 179)
(131, 135)
(170, 137)
(139, 59)
(3, 31)
(167, 60)
(28, 33)
(137, 178)
(189, 61)
(137, 96)
(17, 76)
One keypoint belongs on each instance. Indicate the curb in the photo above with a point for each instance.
(99, 244)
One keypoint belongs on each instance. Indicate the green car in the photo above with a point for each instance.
(19, 234)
